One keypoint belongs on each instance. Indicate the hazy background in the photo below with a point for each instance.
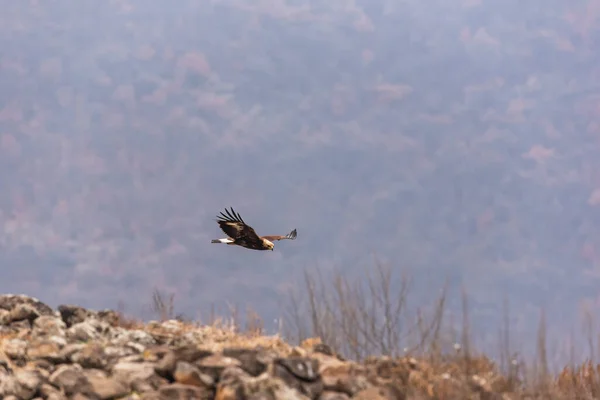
(454, 139)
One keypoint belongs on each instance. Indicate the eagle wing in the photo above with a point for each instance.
(292, 235)
(235, 227)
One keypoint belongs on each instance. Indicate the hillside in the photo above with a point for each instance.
(454, 142)
(82, 354)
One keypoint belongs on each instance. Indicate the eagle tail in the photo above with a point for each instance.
(226, 240)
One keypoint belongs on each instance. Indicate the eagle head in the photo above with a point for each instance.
(270, 245)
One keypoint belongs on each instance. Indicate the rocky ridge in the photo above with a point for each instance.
(75, 353)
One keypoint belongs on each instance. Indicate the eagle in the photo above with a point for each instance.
(241, 234)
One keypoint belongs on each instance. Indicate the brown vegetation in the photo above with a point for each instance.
(367, 322)
(347, 339)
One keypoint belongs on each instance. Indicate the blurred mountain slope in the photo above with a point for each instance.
(459, 142)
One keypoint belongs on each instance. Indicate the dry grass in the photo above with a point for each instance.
(370, 316)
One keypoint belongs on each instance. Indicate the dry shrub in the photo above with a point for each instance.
(370, 316)
(364, 317)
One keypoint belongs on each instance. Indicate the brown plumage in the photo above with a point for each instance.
(241, 234)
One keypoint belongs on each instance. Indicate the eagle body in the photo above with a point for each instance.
(241, 234)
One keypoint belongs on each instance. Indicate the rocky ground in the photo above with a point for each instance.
(74, 353)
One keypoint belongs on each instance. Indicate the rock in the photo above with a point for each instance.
(323, 349)
(237, 384)
(154, 395)
(165, 367)
(380, 393)
(45, 350)
(70, 349)
(49, 391)
(118, 352)
(214, 364)
(191, 353)
(253, 361)
(268, 387)
(328, 395)
(47, 325)
(179, 391)
(5, 363)
(9, 386)
(15, 348)
(110, 317)
(168, 358)
(81, 396)
(21, 312)
(348, 378)
(26, 384)
(133, 372)
(189, 374)
(91, 329)
(72, 315)
(300, 373)
(303, 368)
(105, 387)
(90, 356)
(56, 396)
(229, 393)
(4, 318)
(123, 337)
(70, 379)
(10, 301)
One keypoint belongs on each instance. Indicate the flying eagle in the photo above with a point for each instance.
(241, 234)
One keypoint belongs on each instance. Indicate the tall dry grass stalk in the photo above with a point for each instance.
(364, 317)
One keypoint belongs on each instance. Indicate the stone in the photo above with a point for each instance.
(90, 356)
(328, 395)
(303, 368)
(28, 382)
(70, 379)
(49, 325)
(130, 372)
(105, 387)
(165, 367)
(110, 317)
(71, 314)
(10, 301)
(271, 388)
(189, 374)
(49, 391)
(118, 352)
(21, 312)
(91, 329)
(123, 337)
(179, 391)
(191, 353)
(5, 363)
(15, 348)
(214, 364)
(46, 350)
(323, 349)
(301, 374)
(253, 361)
(348, 378)
(380, 393)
